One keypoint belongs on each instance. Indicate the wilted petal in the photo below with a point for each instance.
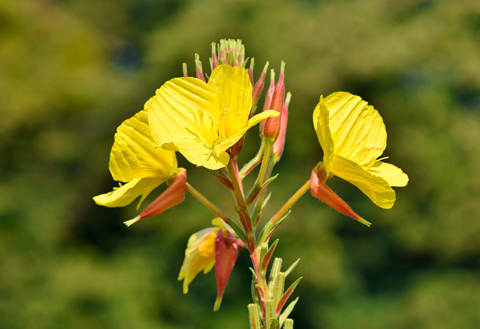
(199, 255)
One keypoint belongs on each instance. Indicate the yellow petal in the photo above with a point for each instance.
(357, 129)
(134, 154)
(199, 255)
(183, 108)
(321, 118)
(234, 90)
(376, 188)
(124, 195)
(392, 174)
(226, 144)
(209, 267)
(203, 155)
(220, 223)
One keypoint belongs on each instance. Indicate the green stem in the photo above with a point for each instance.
(254, 162)
(258, 206)
(207, 203)
(232, 173)
(301, 191)
(263, 168)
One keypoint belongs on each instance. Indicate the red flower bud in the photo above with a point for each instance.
(250, 70)
(226, 252)
(214, 59)
(258, 88)
(198, 68)
(268, 98)
(280, 142)
(272, 124)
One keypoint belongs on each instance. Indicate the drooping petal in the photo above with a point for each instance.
(392, 174)
(134, 154)
(171, 197)
(234, 90)
(225, 257)
(322, 127)
(183, 108)
(323, 192)
(375, 187)
(124, 195)
(199, 255)
(356, 127)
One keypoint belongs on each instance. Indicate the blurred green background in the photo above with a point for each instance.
(72, 70)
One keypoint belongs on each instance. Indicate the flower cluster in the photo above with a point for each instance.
(206, 120)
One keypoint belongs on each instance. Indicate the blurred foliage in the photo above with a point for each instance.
(73, 70)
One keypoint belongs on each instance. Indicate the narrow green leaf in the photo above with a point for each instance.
(287, 295)
(287, 311)
(238, 230)
(290, 269)
(268, 255)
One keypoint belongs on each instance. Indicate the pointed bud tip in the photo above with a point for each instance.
(363, 221)
(218, 302)
(131, 221)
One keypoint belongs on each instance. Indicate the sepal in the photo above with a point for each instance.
(172, 196)
(323, 192)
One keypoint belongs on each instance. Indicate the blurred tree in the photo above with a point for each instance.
(72, 71)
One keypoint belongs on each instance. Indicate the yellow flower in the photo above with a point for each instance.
(202, 121)
(352, 135)
(135, 160)
(200, 253)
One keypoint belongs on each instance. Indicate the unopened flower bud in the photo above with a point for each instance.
(229, 51)
(280, 142)
(250, 70)
(213, 59)
(258, 88)
(184, 69)
(272, 124)
(268, 98)
(198, 68)
(226, 253)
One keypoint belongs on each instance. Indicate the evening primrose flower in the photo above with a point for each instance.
(135, 161)
(353, 136)
(203, 120)
(213, 246)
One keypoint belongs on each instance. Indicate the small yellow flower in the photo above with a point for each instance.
(352, 135)
(202, 121)
(200, 253)
(135, 160)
